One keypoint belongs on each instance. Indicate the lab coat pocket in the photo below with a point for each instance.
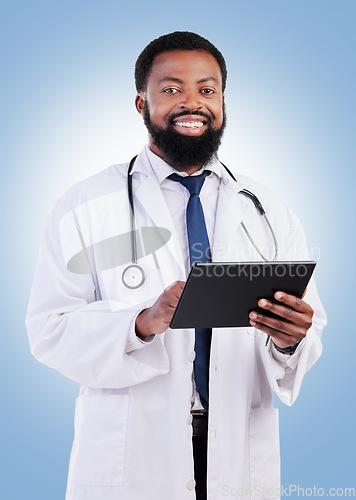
(264, 454)
(98, 451)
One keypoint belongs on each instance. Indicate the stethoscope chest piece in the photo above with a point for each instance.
(133, 276)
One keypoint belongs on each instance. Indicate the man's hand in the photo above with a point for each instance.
(156, 319)
(295, 319)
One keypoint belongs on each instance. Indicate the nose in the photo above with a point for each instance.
(190, 99)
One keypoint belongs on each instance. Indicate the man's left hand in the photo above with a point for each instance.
(295, 319)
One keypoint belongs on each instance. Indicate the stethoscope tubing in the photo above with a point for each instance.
(244, 192)
(132, 213)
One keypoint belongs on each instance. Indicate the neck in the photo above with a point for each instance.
(189, 170)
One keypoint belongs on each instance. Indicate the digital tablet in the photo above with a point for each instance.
(222, 294)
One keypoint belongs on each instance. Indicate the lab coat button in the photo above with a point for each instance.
(191, 485)
(192, 356)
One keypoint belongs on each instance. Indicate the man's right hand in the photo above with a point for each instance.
(155, 319)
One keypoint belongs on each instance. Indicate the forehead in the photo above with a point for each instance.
(185, 65)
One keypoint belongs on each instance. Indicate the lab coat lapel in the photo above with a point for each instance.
(149, 195)
(229, 213)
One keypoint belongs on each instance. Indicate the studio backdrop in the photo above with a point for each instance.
(67, 112)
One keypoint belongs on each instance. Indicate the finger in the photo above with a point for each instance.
(279, 338)
(166, 312)
(175, 285)
(178, 288)
(171, 301)
(178, 284)
(288, 314)
(177, 293)
(279, 325)
(294, 302)
(173, 292)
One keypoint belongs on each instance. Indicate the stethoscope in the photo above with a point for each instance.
(133, 275)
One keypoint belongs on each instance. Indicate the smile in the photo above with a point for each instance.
(190, 124)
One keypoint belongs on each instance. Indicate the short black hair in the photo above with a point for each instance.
(178, 40)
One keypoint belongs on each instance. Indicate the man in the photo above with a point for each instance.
(101, 305)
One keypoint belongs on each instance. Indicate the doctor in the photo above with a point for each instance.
(138, 384)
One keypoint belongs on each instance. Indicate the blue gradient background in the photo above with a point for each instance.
(67, 111)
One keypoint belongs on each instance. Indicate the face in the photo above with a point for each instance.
(183, 108)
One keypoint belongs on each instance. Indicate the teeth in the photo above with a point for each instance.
(190, 124)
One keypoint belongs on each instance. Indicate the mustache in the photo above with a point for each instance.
(172, 117)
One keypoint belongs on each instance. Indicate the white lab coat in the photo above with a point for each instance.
(133, 436)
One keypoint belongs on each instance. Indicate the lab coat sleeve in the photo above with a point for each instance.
(285, 372)
(133, 341)
(90, 341)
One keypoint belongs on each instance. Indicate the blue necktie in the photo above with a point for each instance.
(199, 251)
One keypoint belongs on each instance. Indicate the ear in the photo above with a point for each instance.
(139, 102)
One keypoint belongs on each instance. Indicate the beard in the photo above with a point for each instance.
(182, 151)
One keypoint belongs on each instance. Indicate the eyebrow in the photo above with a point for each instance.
(208, 79)
(170, 79)
(178, 80)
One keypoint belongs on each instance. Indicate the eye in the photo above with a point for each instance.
(170, 90)
(207, 91)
